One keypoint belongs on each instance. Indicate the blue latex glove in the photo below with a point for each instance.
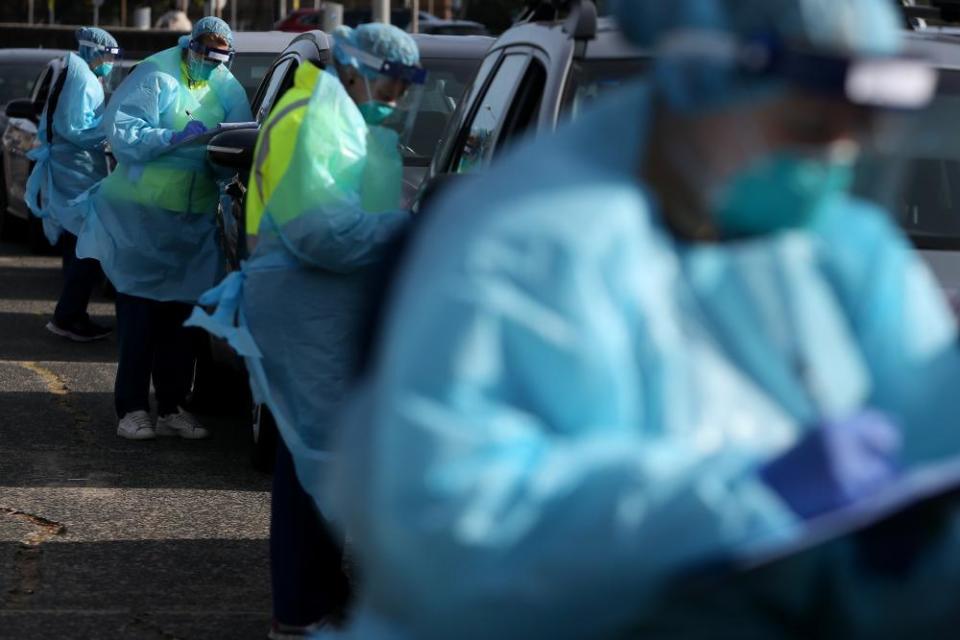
(836, 464)
(193, 128)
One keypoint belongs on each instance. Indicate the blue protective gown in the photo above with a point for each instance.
(76, 160)
(296, 309)
(152, 222)
(570, 407)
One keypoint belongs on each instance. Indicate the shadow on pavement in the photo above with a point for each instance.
(135, 589)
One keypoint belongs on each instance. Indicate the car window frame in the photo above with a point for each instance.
(46, 79)
(264, 94)
(442, 161)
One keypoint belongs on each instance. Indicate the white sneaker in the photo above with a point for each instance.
(136, 425)
(181, 424)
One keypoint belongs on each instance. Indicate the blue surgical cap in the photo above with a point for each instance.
(699, 80)
(97, 36)
(381, 40)
(212, 25)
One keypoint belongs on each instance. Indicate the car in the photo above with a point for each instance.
(537, 74)
(428, 24)
(23, 72)
(300, 21)
(926, 200)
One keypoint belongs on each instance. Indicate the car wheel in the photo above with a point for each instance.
(264, 437)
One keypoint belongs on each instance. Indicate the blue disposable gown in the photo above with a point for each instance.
(569, 407)
(296, 309)
(76, 160)
(152, 222)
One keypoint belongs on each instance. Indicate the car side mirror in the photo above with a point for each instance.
(22, 109)
(233, 149)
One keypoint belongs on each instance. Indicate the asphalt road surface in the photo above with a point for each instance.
(102, 537)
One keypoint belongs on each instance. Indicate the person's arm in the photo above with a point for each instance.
(509, 456)
(79, 113)
(905, 328)
(136, 134)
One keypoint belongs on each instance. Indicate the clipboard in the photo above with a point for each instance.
(206, 136)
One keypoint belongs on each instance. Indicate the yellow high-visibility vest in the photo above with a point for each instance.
(276, 143)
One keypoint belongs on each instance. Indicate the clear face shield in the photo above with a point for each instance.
(204, 58)
(395, 94)
(826, 126)
(102, 57)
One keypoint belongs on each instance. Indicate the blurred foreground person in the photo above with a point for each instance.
(72, 158)
(324, 204)
(667, 336)
(152, 223)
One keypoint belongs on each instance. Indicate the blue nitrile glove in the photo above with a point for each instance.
(193, 128)
(836, 464)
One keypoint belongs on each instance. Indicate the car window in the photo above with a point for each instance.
(250, 69)
(478, 142)
(591, 79)
(270, 88)
(923, 186)
(42, 88)
(434, 106)
(17, 80)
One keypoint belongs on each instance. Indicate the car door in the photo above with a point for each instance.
(508, 106)
(19, 138)
(230, 214)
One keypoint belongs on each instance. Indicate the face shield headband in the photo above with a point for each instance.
(887, 83)
(102, 51)
(396, 70)
(212, 54)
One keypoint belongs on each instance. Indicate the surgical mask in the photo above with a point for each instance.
(375, 113)
(784, 190)
(200, 69)
(102, 70)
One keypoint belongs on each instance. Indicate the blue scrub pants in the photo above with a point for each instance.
(155, 345)
(80, 276)
(306, 560)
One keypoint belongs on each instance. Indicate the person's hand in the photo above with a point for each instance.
(193, 128)
(836, 464)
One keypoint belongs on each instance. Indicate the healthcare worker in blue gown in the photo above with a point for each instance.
(152, 222)
(665, 336)
(296, 311)
(71, 158)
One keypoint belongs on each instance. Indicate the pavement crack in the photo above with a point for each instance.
(57, 386)
(28, 558)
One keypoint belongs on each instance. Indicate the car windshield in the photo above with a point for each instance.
(16, 80)
(924, 193)
(446, 81)
(593, 78)
(250, 68)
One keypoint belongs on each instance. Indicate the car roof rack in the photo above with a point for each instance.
(580, 16)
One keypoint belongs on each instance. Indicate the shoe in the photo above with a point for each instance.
(85, 330)
(136, 426)
(181, 424)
